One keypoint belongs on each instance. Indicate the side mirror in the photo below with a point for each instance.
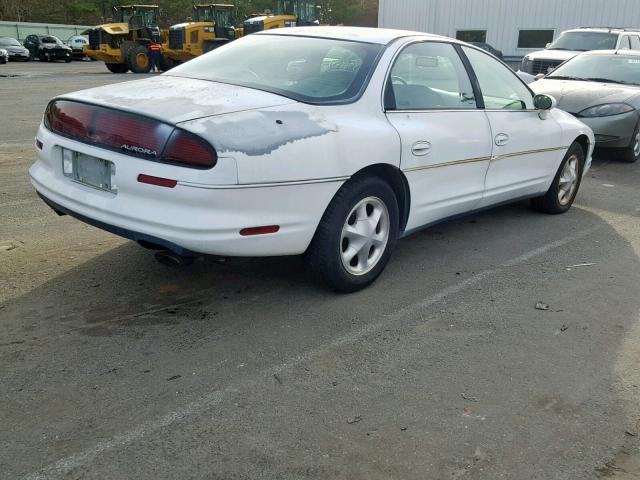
(539, 76)
(547, 45)
(544, 103)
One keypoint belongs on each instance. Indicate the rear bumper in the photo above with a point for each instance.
(204, 213)
(123, 232)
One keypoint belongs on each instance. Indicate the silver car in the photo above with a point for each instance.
(602, 89)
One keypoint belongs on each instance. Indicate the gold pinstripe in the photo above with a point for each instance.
(446, 164)
(483, 159)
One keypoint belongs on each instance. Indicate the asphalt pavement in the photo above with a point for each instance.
(115, 366)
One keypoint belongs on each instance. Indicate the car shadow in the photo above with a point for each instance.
(123, 314)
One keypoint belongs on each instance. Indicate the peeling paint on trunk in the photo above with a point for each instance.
(257, 133)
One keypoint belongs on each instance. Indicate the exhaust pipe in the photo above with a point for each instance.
(171, 259)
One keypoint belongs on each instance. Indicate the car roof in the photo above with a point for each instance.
(603, 29)
(382, 36)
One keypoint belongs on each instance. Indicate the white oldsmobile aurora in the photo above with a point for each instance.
(330, 142)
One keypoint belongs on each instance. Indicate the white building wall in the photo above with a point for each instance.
(504, 18)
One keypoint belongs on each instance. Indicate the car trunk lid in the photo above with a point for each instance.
(178, 99)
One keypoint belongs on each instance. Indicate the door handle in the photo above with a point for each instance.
(420, 149)
(501, 139)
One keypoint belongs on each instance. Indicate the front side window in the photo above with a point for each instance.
(429, 75)
(307, 69)
(501, 88)
(635, 42)
(477, 36)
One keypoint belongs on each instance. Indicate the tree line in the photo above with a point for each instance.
(93, 12)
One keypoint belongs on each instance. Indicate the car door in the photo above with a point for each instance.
(445, 137)
(527, 146)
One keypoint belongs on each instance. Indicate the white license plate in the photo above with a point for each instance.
(87, 170)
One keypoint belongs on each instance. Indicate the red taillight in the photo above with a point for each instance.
(159, 181)
(184, 147)
(246, 232)
(69, 118)
(127, 133)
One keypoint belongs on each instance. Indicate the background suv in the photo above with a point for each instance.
(572, 42)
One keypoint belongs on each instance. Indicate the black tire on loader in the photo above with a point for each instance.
(138, 59)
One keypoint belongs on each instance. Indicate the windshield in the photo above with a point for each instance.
(603, 68)
(147, 16)
(222, 16)
(304, 10)
(314, 70)
(585, 41)
(50, 40)
(9, 42)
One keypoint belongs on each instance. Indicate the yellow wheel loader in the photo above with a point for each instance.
(212, 28)
(123, 45)
(288, 13)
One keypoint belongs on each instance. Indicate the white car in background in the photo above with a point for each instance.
(330, 142)
(4, 56)
(573, 42)
(77, 44)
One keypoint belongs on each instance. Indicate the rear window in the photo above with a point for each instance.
(311, 70)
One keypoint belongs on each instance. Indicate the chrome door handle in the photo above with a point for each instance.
(420, 149)
(502, 139)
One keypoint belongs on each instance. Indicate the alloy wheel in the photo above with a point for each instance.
(365, 235)
(568, 180)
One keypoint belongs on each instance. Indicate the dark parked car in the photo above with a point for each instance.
(47, 48)
(15, 50)
(488, 48)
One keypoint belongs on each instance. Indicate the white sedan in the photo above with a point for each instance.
(330, 142)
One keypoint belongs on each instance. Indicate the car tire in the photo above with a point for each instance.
(332, 255)
(117, 67)
(138, 59)
(566, 183)
(631, 154)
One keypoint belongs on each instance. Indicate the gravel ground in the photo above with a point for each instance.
(114, 366)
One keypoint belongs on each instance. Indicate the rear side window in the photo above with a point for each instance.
(429, 75)
(501, 88)
(625, 43)
(635, 42)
